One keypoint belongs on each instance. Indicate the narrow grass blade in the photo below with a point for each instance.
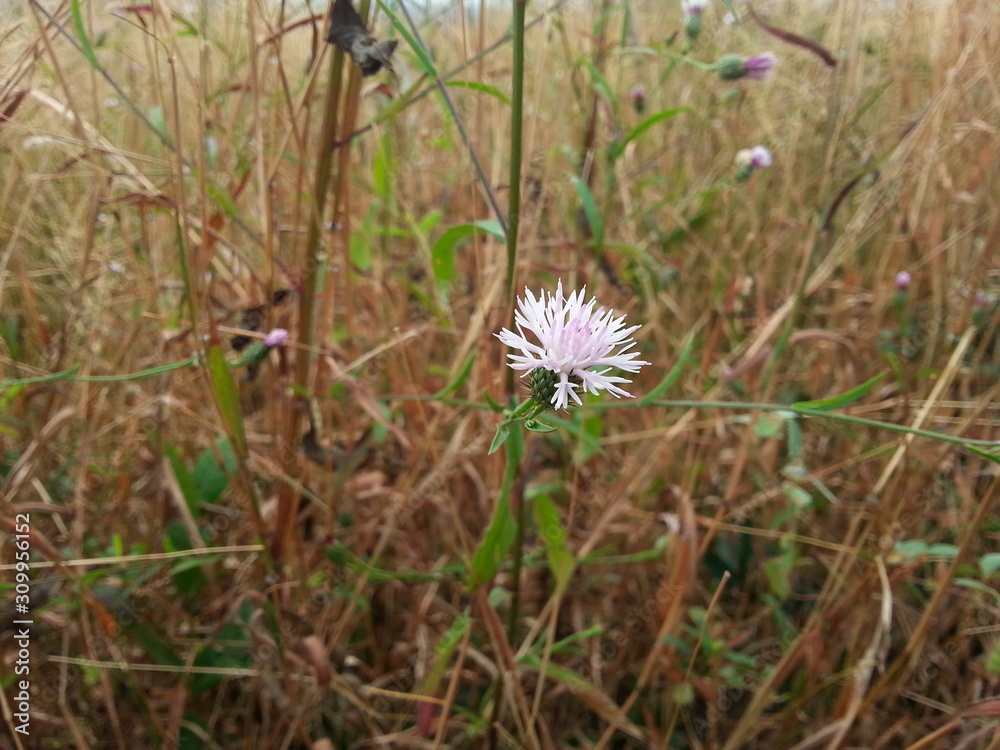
(590, 210)
(561, 560)
(443, 251)
(460, 378)
(673, 376)
(502, 529)
(81, 32)
(844, 399)
(228, 398)
(483, 88)
(645, 125)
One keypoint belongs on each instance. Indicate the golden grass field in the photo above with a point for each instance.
(787, 540)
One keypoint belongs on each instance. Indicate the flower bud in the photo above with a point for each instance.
(639, 98)
(756, 68)
(277, 337)
(749, 159)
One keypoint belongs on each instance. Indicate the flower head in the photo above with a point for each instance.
(759, 66)
(692, 17)
(903, 280)
(277, 337)
(639, 98)
(693, 7)
(757, 157)
(749, 159)
(572, 338)
(756, 68)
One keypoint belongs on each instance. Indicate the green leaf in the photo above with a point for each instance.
(158, 121)
(769, 425)
(502, 529)
(555, 672)
(672, 377)
(989, 563)
(189, 581)
(590, 210)
(778, 572)
(823, 490)
(222, 199)
(563, 645)
(459, 379)
(443, 251)
(534, 425)
(430, 221)
(158, 649)
(491, 552)
(444, 650)
(480, 87)
(492, 403)
(185, 480)
(230, 650)
(844, 399)
(210, 477)
(972, 583)
(187, 28)
(360, 257)
(228, 398)
(503, 432)
(600, 85)
(196, 561)
(561, 560)
(794, 439)
(12, 335)
(911, 548)
(424, 61)
(81, 32)
(993, 457)
(946, 551)
(799, 497)
(645, 125)
(732, 10)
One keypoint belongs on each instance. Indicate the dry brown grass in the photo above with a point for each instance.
(753, 622)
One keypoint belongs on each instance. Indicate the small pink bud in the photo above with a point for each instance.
(903, 280)
(758, 67)
(277, 337)
(639, 98)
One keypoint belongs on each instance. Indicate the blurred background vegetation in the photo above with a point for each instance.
(260, 561)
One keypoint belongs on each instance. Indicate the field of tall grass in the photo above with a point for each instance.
(369, 533)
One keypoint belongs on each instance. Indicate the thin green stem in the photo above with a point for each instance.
(513, 223)
(517, 127)
(514, 454)
(802, 411)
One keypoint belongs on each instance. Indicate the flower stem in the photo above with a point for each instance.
(516, 130)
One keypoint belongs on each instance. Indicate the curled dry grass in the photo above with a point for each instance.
(749, 620)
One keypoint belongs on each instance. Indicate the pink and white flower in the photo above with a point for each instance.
(571, 339)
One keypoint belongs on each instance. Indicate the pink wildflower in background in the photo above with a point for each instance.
(639, 98)
(692, 10)
(749, 159)
(756, 68)
(277, 337)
